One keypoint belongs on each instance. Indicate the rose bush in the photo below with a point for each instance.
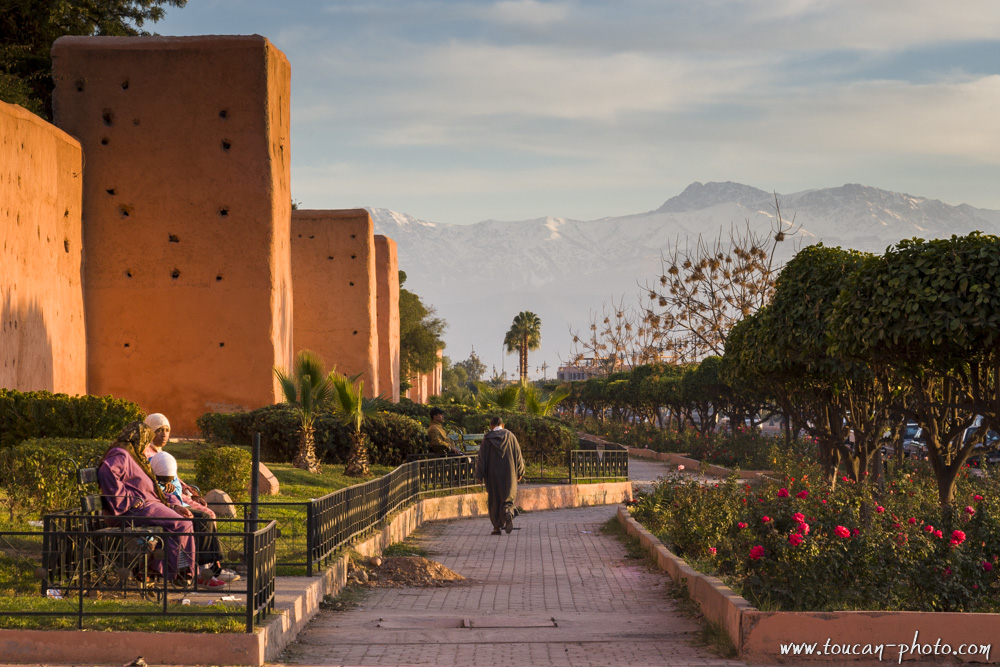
(849, 548)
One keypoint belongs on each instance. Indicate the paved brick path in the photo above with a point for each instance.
(555, 592)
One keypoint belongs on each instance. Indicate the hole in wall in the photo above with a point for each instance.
(353, 236)
(66, 244)
(224, 211)
(330, 257)
(135, 121)
(222, 344)
(128, 273)
(354, 256)
(355, 333)
(175, 274)
(300, 235)
(173, 238)
(111, 191)
(224, 113)
(126, 344)
(125, 84)
(218, 278)
(351, 284)
(79, 85)
(226, 144)
(108, 117)
(104, 141)
(312, 236)
(66, 213)
(125, 211)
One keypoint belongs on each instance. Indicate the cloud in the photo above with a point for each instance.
(527, 12)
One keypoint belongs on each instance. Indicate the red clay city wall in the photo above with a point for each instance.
(186, 217)
(42, 335)
(333, 270)
(387, 304)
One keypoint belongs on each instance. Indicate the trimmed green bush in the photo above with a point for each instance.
(38, 475)
(225, 468)
(542, 439)
(391, 437)
(41, 414)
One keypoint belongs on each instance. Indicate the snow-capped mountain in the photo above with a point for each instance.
(479, 276)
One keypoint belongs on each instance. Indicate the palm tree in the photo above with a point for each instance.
(353, 409)
(307, 389)
(525, 334)
(498, 398)
(537, 403)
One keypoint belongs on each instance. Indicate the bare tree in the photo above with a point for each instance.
(620, 338)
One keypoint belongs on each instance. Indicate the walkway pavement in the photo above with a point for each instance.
(645, 473)
(557, 591)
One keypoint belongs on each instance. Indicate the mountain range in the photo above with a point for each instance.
(478, 276)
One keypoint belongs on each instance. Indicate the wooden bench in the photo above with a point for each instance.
(467, 442)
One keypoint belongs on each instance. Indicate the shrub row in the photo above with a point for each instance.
(542, 439)
(391, 437)
(225, 468)
(41, 414)
(39, 475)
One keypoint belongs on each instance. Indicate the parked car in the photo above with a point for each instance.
(986, 453)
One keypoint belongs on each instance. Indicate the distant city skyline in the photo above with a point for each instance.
(457, 112)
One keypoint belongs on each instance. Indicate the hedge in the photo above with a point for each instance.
(391, 437)
(226, 468)
(541, 438)
(41, 414)
(37, 480)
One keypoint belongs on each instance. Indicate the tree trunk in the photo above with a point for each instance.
(357, 460)
(306, 458)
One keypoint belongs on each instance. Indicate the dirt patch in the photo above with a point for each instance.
(399, 571)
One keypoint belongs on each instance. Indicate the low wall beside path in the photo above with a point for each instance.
(858, 638)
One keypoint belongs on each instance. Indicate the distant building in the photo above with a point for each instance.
(582, 370)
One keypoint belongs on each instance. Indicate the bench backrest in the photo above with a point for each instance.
(91, 500)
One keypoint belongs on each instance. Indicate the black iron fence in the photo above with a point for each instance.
(86, 564)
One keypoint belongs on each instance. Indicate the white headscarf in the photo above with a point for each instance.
(157, 420)
(163, 465)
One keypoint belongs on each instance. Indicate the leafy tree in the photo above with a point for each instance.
(540, 404)
(307, 389)
(419, 335)
(29, 27)
(474, 368)
(353, 409)
(525, 334)
(930, 311)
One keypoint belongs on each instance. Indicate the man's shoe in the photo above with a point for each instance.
(227, 576)
(508, 523)
(495, 532)
(211, 583)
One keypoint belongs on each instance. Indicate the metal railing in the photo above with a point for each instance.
(84, 560)
(597, 462)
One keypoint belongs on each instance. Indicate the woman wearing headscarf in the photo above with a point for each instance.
(128, 486)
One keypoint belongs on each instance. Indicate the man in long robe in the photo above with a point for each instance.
(499, 467)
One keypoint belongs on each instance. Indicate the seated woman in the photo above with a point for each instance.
(128, 487)
(209, 550)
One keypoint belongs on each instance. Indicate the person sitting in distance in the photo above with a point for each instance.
(437, 438)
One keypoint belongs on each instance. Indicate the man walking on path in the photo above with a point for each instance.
(500, 466)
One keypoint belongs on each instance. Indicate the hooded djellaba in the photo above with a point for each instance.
(499, 466)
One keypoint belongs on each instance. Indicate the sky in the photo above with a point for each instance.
(458, 112)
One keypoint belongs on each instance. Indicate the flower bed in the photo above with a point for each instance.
(796, 545)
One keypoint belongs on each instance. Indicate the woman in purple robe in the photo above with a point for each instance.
(128, 486)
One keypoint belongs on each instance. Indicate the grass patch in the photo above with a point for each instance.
(349, 597)
(633, 547)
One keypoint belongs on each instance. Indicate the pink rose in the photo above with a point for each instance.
(938, 534)
(799, 517)
(823, 501)
(880, 509)
(957, 537)
(741, 525)
(912, 519)
(756, 552)
(987, 566)
(782, 493)
(856, 532)
(795, 539)
(977, 497)
(680, 466)
(841, 532)
(802, 494)
(765, 519)
(803, 528)
(970, 511)
(929, 528)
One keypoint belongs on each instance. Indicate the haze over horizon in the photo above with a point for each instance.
(458, 111)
